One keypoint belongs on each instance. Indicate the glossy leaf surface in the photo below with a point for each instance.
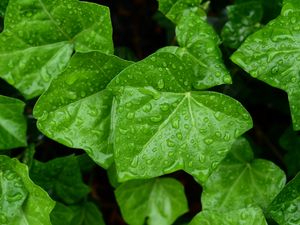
(40, 35)
(241, 181)
(244, 19)
(189, 131)
(61, 177)
(246, 216)
(75, 110)
(272, 55)
(285, 209)
(21, 201)
(157, 201)
(13, 124)
(81, 214)
(199, 50)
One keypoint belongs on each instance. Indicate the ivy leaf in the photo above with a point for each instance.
(3, 5)
(189, 131)
(271, 55)
(13, 124)
(157, 201)
(173, 9)
(61, 177)
(290, 141)
(75, 109)
(244, 19)
(243, 216)
(39, 37)
(241, 181)
(285, 209)
(199, 50)
(21, 201)
(85, 214)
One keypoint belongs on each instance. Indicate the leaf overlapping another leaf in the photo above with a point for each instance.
(40, 35)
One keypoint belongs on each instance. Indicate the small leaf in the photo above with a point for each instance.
(13, 124)
(241, 181)
(290, 141)
(285, 209)
(61, 177)
(75, 109)
(157, 201)
(21, 201)
(244, 216)
(244, 19)
(272, 55)
(189, 131)
(39, 37)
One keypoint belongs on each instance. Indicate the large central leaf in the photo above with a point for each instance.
(272, 55)
(40, 35)
(160, 132)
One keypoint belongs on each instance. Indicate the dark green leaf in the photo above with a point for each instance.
(272, 55)
(87, 214)
(61, 214)
(285, 209)
(241, 181)
(61, 177)
(157, 201)
(39, 37)
(12, 123)
(3, 5)
(75, 110)
(189, 131)
(21, 201)
(246, 216)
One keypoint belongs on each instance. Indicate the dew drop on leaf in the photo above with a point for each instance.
(156, 118)
(130, 115)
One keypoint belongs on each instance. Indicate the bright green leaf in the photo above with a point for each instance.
(290, 141)
(13, 124)
(246, 216)
(174, 9)
(75, 110)
(156, 201)
(199, 50)
(244, 19)
(61, 177)
(285, 209)
(241, 181)
(21, 201)
(272, 55)
(40, 35)
(189, 131)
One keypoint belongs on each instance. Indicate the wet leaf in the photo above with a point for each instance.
(21, 201)
(157, 201)
(271, 55)
(192, 131)
(75, 109)
(61, 177)
(241, 181)
(13, 124)
(40, 36)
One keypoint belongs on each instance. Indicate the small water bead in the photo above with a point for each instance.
(164, 107)
(175, 123)
(170, 143)
(130, 115)
(161, 84)
(156, 119)
(208, 141)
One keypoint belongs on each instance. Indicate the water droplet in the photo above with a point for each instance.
(171, 154)
(161, 84)
(147, 107)
(175, 123)
(219, 116)
(164, 107)
(208, 141)
(275, 70)
(82, 94)
(227, 79)
(123, 131)
(170, 143)
(156, 118)
(130, 115)
(227, 136)
(3, 219)
(15, 197)
(71, 95)
(179, 135)
(293, 19)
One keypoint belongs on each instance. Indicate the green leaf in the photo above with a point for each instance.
(244, 19)
(174, 9)
(85, 214)
(75, 109)
(39, 37)
(13, 124)
(271, 55)
(241, 181)
(285, 209)
(199, 50)
(61, 177)
(290, 141)
(190, 131)
(244, 216)
(154, 201)
(21, 201)
(3, 5)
